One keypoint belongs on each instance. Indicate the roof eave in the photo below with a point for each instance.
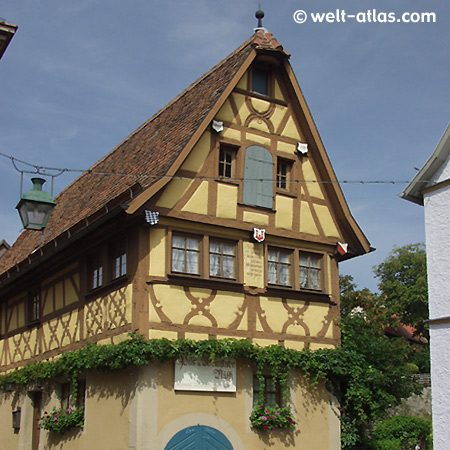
(56, 245)
(7, 30)
(413, 192)
(141, 199)
(360, 244)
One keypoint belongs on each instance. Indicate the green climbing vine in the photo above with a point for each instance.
(137, 351)
(346, 373)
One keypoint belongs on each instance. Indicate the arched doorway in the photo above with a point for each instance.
(199, 437)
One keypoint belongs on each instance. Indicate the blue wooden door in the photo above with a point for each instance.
(199, 437)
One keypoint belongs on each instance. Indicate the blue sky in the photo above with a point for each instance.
(78, 77)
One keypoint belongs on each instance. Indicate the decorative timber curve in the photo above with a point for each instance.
(200, 306)
(246, 315)
(295, 316)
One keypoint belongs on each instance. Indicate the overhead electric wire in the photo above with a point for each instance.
(42, 170)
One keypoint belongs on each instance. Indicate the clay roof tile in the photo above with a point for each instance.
(143, 157)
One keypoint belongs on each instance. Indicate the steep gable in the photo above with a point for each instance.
(312, 204)
(147, 159)
(142, 159)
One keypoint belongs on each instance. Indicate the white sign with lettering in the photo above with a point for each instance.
(199, 374)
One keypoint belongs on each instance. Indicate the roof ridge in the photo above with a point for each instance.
(264, 39)
(260, 39)
(168, 105)
(151, 148)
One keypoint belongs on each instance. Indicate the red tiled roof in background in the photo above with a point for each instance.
(405, 331)
(151, 149)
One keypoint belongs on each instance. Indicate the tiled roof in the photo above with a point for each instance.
(264, 40)
(406, 331)
(151, 149)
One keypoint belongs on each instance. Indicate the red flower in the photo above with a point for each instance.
(266, 427)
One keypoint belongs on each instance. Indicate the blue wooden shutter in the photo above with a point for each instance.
(258, 166)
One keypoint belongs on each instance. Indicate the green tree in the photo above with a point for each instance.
(373, 378)
(354, 301)
(403, 285)
(402, 432)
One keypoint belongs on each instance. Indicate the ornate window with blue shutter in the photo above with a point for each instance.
(258, 177)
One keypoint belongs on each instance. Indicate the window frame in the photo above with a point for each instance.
(34, 306)
(96, 270)
(262, 69)
(66, 394)
(223, 242)
(280, 264)
(294, 274)
(118, 252)
(318, 269)
(287, 176)
(276, 391)
(232, 151)
(204, 240)
(199, 251)
(100, 268)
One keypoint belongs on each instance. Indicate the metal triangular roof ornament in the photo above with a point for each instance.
(259, 15)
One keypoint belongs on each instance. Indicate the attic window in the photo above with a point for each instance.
(227, 158)
(260, 81)
(284, 169)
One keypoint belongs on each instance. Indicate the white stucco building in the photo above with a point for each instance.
(431, 188)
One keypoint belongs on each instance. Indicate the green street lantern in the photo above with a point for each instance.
(35, 206)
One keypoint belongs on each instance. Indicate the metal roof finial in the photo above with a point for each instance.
(259, 15)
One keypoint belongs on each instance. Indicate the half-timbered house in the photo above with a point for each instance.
(219, 217)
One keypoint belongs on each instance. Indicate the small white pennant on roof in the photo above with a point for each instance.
(151, 217)
(302, 148)
(342, 248)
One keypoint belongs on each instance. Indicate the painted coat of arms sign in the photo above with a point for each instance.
(259, 234)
